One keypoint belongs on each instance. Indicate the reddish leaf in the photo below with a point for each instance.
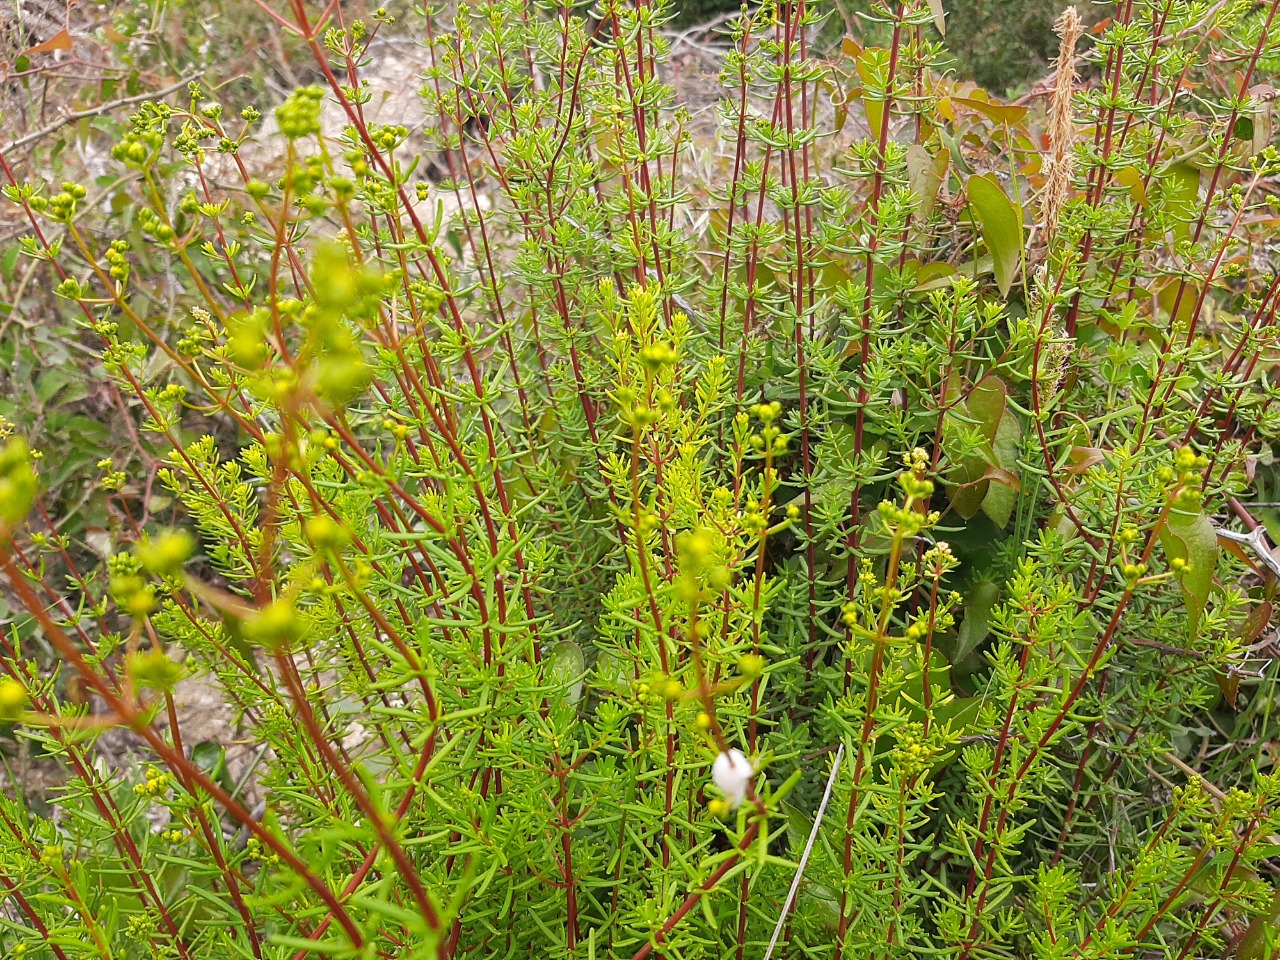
(1000, 112)
(1082, 458)
(59, 41)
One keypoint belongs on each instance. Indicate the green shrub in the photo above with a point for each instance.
(515, 514)
(1001, 44)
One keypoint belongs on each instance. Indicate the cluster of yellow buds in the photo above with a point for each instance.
(939, 559)
(17, 483)
(658, 355)
(299, 115)
(751, 665)
(61, 206)
(13, 700)
(173, 836)
(152, 224)
(388, 137)
(912, 479)
(918, 631)
(849, 614)
(1133, 572)
(770, 440)
(253, 851)
(173, 393)
(659, 687)
(918, 488)
(274, 626)
(153, 670)
(699, 565)
(155, 784)
(647, 522)
(134, 595)
(140, 927)
(637, 412)
(754, 520)
(119, 269)
(324, 439)
(397, 429)
(248, 343)
(165, 554)
(112, 479)
(1189, 468)
(669, 688)
(326, 534)
(911, 755)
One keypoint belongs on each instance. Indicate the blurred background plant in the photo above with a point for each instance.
(505, 442)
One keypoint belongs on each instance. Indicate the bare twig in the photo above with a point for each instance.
(804, 857)
(1256, 539)
(100, 109)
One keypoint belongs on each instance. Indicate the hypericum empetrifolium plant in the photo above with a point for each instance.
(549, 524)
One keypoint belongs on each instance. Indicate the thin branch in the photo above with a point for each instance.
(804, 857)
(68, 118)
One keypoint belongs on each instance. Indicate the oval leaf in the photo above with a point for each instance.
(977, 619)
(1001, 223)
(1190, 537)
(566, 668)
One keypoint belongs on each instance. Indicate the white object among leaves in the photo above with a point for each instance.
(731, 772)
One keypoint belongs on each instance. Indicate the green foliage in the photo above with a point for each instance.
(550, 528)
(1004, 43)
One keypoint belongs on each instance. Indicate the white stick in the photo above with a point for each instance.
(804, 857)
(1257, 539)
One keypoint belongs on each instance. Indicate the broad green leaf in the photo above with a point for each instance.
(1001, 223)
(1180, 294)
(9, 261)
(1178, 192)
(925, 173)
(977, 619)
(872, 65)
(1002, 493)
(933, 276)
(799, 824)
(566, 667)
(958, 713)
(1263, 934)
(985, 479)
(612, 672)
(911, 696)
(1190, 537)
(1000, 112)
(1131, 177)
(1263, 131)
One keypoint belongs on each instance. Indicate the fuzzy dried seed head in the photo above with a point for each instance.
(1059, 166)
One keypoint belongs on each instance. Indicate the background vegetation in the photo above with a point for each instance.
(524, 480)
